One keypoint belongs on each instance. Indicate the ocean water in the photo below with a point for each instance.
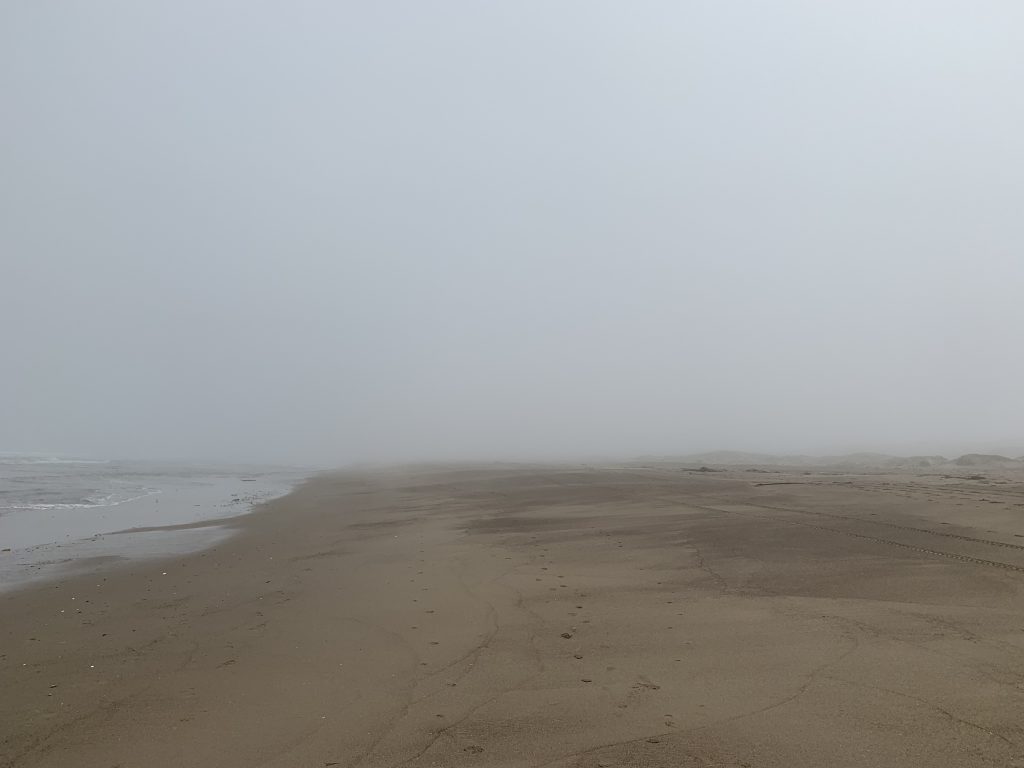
(56, 513)
(46, 483)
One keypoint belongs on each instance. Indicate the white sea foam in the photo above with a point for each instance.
(106, 501)
(20, 459)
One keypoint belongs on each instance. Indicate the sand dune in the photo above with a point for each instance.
(848, 460)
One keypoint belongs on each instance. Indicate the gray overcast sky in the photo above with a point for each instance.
(390, 230)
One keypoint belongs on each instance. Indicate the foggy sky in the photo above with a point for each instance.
(331, 232)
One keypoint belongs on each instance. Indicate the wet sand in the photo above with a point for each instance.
(546, 616)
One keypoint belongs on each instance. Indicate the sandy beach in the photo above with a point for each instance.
(546, 616)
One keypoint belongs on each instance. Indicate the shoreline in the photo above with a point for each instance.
(543, 616)
(56, 541)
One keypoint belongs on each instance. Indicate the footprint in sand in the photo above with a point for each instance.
(645, 684)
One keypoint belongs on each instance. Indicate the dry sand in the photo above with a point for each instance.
(546, 616)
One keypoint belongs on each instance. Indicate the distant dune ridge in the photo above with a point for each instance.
(866, 460)
(986, 460)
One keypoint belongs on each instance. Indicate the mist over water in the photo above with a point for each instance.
(59, 513)
(87, 487)
(320, 234)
